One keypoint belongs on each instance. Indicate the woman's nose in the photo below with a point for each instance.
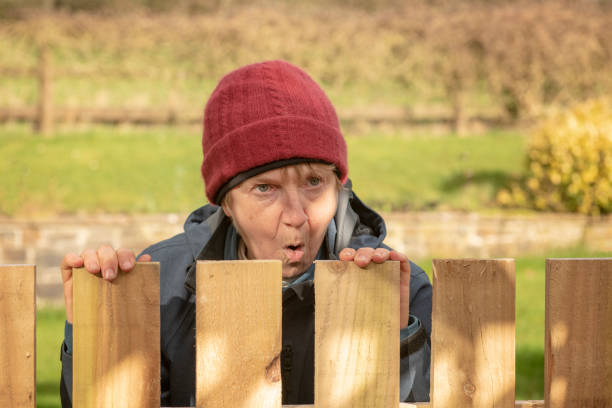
(294, 210)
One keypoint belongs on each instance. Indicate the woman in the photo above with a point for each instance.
(275, 163)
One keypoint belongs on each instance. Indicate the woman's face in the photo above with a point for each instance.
(284, 213)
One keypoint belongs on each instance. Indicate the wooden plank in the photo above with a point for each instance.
(529, 404)
(356, 335)
(518, 404)
(17, 336)
(116, 359)
(238, 334)
(400, 405)
(473, 337)
(578, 352)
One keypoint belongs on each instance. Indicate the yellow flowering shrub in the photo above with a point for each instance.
(569, 163)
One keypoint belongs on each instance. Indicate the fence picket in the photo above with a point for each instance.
(116, 359)
(473, 336)
(17, 335)
(238, 334)
(356, 335)
(578, 351)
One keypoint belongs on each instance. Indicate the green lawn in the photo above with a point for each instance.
(151, 170)
(49, 337)
(423, 171)
(529, 332)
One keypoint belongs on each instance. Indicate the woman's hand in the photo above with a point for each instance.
(363, 256)
(104, 260)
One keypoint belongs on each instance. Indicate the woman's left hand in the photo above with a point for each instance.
(363, 256)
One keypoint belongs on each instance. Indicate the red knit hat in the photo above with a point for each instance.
(265, 116)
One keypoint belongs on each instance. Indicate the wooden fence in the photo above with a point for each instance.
(46, 114)
(238, 335)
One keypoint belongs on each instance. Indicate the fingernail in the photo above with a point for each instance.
(109, 274)
(126, 265)
(360, 258)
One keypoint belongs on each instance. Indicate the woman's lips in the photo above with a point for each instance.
(294, 253)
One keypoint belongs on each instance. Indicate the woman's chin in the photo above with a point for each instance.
(292, 270)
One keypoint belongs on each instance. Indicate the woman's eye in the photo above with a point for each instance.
(263, 188)
(314, 181)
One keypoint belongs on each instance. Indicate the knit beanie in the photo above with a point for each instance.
(265, 116)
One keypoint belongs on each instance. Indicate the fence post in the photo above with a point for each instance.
(17, 336)
(578, 351)
(116, 339)
(238, 334)
(44, 120)
(356, 335)
(473, 336)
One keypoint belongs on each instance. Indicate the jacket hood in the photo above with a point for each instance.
(357, 224)
(200, 215)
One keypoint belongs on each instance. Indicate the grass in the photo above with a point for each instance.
(152, 170)
(529, 331)
(49, 337)
(427, 172)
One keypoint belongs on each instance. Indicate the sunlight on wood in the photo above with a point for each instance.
(238, 334)
(116, 359)
(128, 378)
(578, 355)
(208, 350)
(356, 334)
(473, 337)
(17, 335)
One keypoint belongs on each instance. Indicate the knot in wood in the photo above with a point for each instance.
(339, 267)
(273, 370)
(469, 389)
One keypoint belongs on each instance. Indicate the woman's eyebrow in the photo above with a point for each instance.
(265, 179)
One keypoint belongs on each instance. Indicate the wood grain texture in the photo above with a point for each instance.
(356, 335)
(116, 350)
(238, 334)
(17, 336)
(518, 404)
(578, 351)
(473, 336)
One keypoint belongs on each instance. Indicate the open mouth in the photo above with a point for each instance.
(294, 252)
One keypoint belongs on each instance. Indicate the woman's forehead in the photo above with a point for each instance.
(299, 170)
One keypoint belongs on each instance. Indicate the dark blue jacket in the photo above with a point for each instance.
(207, 237)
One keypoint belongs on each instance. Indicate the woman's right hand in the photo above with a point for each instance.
(104, 260)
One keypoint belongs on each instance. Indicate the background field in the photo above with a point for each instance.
(455, 60)
(149, 170)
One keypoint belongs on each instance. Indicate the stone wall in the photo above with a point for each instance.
(485, 236)
(44, 242)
